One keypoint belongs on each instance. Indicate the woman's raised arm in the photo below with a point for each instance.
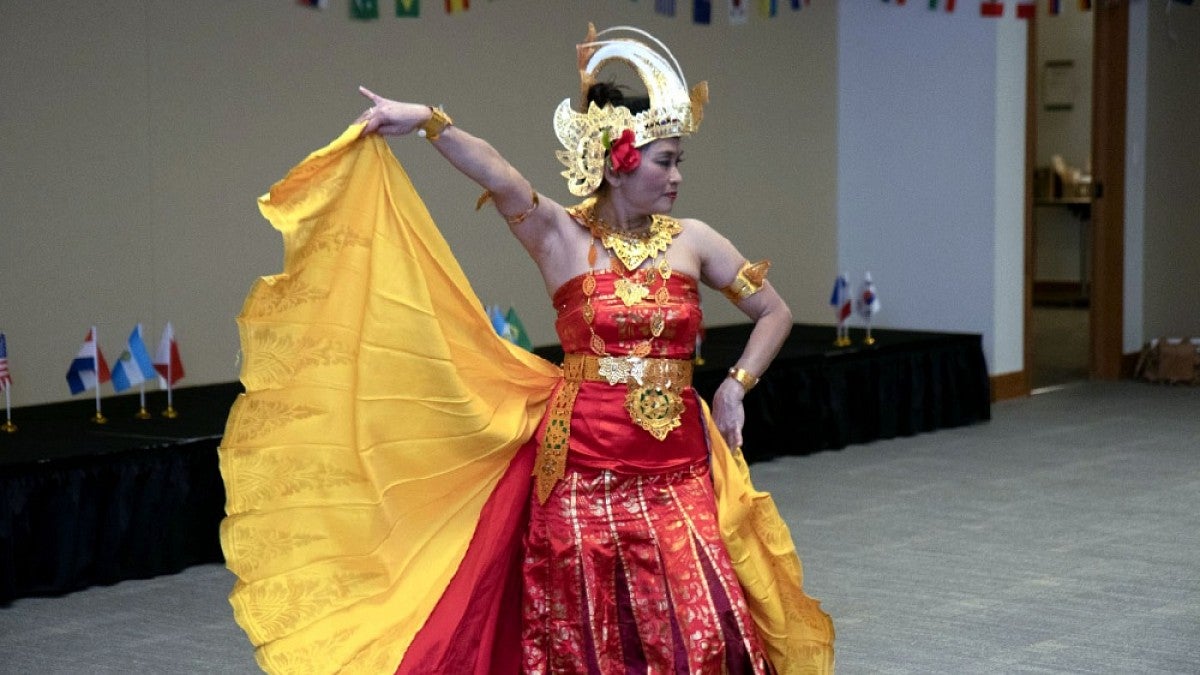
(473, 156)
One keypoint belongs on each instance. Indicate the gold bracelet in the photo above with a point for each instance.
(743, 377)
(435, 125)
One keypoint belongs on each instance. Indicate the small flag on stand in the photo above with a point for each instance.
(456, 6)
(841, 301)
(169, 367)
(5, 376)
(1054, 7)
(509, 326)
(516, 330)
(315, 4)
(702, 12)
(1026, 10)
(134, 367)
(665, 7)
(6, 384)
(867, 304)
(768, 8)
(89, 370)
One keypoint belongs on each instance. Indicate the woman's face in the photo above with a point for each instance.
(654, 185)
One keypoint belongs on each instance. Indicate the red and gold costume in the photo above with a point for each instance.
(381, 511)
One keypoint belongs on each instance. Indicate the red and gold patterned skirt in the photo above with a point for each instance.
(628, 574)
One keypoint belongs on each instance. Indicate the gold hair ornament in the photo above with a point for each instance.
(749, 280)
(673, 111)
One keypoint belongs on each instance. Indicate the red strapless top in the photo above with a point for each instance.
(624, 327)
(602, 435)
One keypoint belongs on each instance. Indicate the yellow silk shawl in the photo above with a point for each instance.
(380, 412)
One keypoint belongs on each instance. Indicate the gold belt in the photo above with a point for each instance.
(627, 369)
(653, 399)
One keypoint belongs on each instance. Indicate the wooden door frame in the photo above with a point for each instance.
(1110, 55)
(1110, 66)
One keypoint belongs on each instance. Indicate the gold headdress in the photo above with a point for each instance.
(674, 111)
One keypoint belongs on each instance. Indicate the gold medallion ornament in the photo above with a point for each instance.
(656, 409)
(630, 292)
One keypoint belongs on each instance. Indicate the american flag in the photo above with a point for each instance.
(5, 376)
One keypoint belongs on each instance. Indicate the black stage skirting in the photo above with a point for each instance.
(84, 504)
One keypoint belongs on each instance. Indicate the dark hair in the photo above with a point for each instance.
(603, 93)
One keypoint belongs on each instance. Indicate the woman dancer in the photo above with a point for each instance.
(640, 545)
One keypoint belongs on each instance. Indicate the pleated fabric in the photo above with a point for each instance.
(380, 412)
(377, 467)
(797, 633)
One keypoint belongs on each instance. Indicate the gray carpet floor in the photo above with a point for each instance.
(1061, 537)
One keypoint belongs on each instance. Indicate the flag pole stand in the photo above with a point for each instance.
(8, 427)
(170, 413)
(868, 340)
(142, 413)
(99, 417)
(843, 339)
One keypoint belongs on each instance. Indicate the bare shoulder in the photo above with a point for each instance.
(717, 259)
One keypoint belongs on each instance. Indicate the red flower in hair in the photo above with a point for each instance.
(623, 157)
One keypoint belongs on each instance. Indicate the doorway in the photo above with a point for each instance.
(1061, 223)
(1074, 262)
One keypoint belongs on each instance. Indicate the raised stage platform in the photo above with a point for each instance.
(84, 504)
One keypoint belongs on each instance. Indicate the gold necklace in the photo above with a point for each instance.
(629, 252)
(631, 248)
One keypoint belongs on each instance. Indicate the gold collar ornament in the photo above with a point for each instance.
(631, 248)
(674, 111)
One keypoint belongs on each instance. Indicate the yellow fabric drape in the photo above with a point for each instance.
(380, 412)
(798, 635)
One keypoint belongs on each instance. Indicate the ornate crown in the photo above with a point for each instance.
(674, 111)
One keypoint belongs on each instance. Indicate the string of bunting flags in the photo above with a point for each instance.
(737, 11)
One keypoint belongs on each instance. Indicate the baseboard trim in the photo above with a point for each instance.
(1009, 385)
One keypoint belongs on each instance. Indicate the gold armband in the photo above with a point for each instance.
(749, 280)
(743, 377)
(435, 125)
(513, 220)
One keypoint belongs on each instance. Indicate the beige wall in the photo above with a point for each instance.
(1172, 145)
(137, 135)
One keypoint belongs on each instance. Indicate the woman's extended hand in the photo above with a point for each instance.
(728, 413)
(391, 118)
